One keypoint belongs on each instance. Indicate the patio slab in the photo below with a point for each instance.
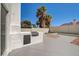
(60, 46)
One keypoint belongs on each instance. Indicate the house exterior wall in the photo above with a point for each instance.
(12, 27)
(14, 36)
(0, 30)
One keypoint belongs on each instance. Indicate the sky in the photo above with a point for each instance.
(61, 12)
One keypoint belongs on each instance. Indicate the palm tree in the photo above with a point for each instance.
(41, 11)
(48, 17)
(48, 20)
(44, 19)
(40, 14)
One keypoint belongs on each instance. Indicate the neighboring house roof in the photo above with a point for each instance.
(77, 22)
(71, 23)
(67, 24)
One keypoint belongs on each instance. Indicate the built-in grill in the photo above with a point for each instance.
(34, 33)
(27, 38)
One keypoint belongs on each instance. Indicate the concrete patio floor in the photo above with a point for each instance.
(52, 46)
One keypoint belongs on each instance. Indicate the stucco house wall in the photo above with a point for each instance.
(0, 30)
(14, 36)
(12, 26)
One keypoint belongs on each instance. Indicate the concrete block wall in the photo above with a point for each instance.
(66, 29)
